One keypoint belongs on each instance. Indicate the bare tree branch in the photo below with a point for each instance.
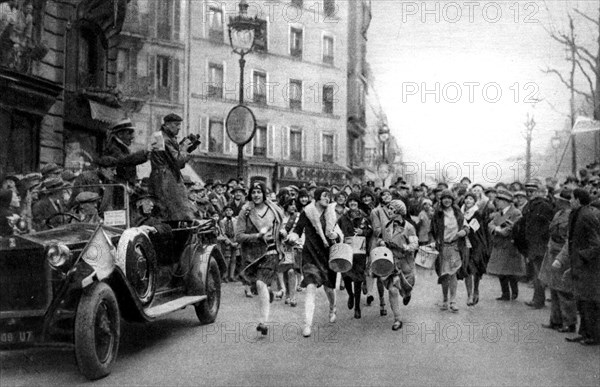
(596, 22)
(589, 79)
(594, 69)
(567, 84)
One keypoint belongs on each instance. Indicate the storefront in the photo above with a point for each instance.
(322, 175)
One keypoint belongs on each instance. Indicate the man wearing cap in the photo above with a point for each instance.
(505, 261)
(520, 200)
(52, 204)
(105, 174)
(238, 200)
(165, 179)
(537, 215)
(120, 137)
(50, 170)
(87, 207)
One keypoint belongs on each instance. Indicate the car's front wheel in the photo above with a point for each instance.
(208, 309)
(97, 331)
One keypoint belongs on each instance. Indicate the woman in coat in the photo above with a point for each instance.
(505, 260)
(318, 222)
(449, 231)
(355, 223)
(258, 232)
(478, 247)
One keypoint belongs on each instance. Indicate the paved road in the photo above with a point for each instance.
(493, 343)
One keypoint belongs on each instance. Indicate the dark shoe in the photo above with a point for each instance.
(575, 339)
(475, 299)
(406, 299)
(357, 313)
(350, 302)
(453, 307)
(383, 312)
(364, 288)
(589, 341)
(397, 325)
(299, 289)
(569, 329)
(370, 300)
(556, 327)
(271, 296)
(503, 298)
(293, 302)
(534, 306)
(263, 329)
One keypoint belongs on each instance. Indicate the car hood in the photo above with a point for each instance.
(69, 235)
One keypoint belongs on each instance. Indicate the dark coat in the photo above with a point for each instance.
(504, 258)
(166, 181)
(125, 160)
(584, 252)
(537, 215)
(559, 230)
(246, 232)
(479, 253)
(5, 226)
(437, 231)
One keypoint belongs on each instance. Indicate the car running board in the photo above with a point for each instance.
(171, 306)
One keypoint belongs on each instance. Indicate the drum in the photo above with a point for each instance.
(340, 257)
(426, 257)
(358, 243)
(382, 261)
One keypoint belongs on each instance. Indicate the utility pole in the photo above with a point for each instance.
(529, 125)
(572, 102)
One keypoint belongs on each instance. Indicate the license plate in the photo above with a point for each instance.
(16, 337)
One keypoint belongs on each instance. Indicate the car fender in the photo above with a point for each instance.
(215, 252)
(196, 275)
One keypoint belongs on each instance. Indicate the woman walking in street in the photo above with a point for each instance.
(449, 231)
(318, 222)
(355, 223)
(258, 232)
(286, 273)
(380, 216)
(478, 248)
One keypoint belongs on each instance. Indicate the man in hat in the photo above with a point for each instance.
(87, 207)
(104, 174)
(520, 200)
(44, 212)
(120, 137)
(537, 215)
(505, 261)
(219, 190)
(50, 170)
(238, 200)
(165, 178)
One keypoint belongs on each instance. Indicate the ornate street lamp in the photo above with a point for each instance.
(240, 123)
(384, 136)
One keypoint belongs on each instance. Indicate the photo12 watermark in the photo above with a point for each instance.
(471, 92)
(289, 332)
(469, 11)
(470, 332)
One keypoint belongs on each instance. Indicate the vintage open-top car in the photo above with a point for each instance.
(69, 282)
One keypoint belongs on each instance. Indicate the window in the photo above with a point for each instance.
(297, 3)
(260, 87)
(295, 94)
(328, 148)
(164, 77)
(328, 50)
(296, 42)
(215, 80)
(260, 141)
(215, 24)
(215, 136)
(123, 67)
(163, 90)
(328, 99)
(296, 144)
(329, 7)
(91, 60)
(164, 21)
(261, 37)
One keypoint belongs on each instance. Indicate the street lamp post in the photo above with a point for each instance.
(383, 169)
(555, 142)
(242, 31)
(528, 134)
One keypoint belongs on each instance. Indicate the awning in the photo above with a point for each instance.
(105, 113)
(585, 124)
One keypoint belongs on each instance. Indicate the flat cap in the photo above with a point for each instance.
(520, 193)
(504, 195)
(53, 183)
(87, 197)
(172, 118)
(50, 168)
(125, 124)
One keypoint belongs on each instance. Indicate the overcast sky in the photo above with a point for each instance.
(478, 49)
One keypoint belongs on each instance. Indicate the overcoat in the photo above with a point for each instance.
(584, 252)
(125, 160)
(554, 278)
(537, 215)
(504, 258)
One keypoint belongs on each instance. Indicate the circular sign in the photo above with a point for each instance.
(240, 125)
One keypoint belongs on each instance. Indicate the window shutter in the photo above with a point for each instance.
(336, 148)
(152, 73)
(175, 80)
(248, 148)
(152, 18)
(304, 138)
(285, 142)
(319, 147)
(203, 132)
(228, 144)
(270, 131)
(176, 19)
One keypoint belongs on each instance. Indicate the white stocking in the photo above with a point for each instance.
(263, 301)
(309, 304)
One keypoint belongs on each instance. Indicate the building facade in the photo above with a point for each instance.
(57, 75)
(295, 83)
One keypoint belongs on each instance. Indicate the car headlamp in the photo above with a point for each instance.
(57, 255)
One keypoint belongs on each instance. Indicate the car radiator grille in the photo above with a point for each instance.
(24, 280)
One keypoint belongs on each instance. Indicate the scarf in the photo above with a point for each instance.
(470, 212)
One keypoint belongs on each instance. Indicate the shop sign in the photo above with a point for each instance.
(306, 174)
